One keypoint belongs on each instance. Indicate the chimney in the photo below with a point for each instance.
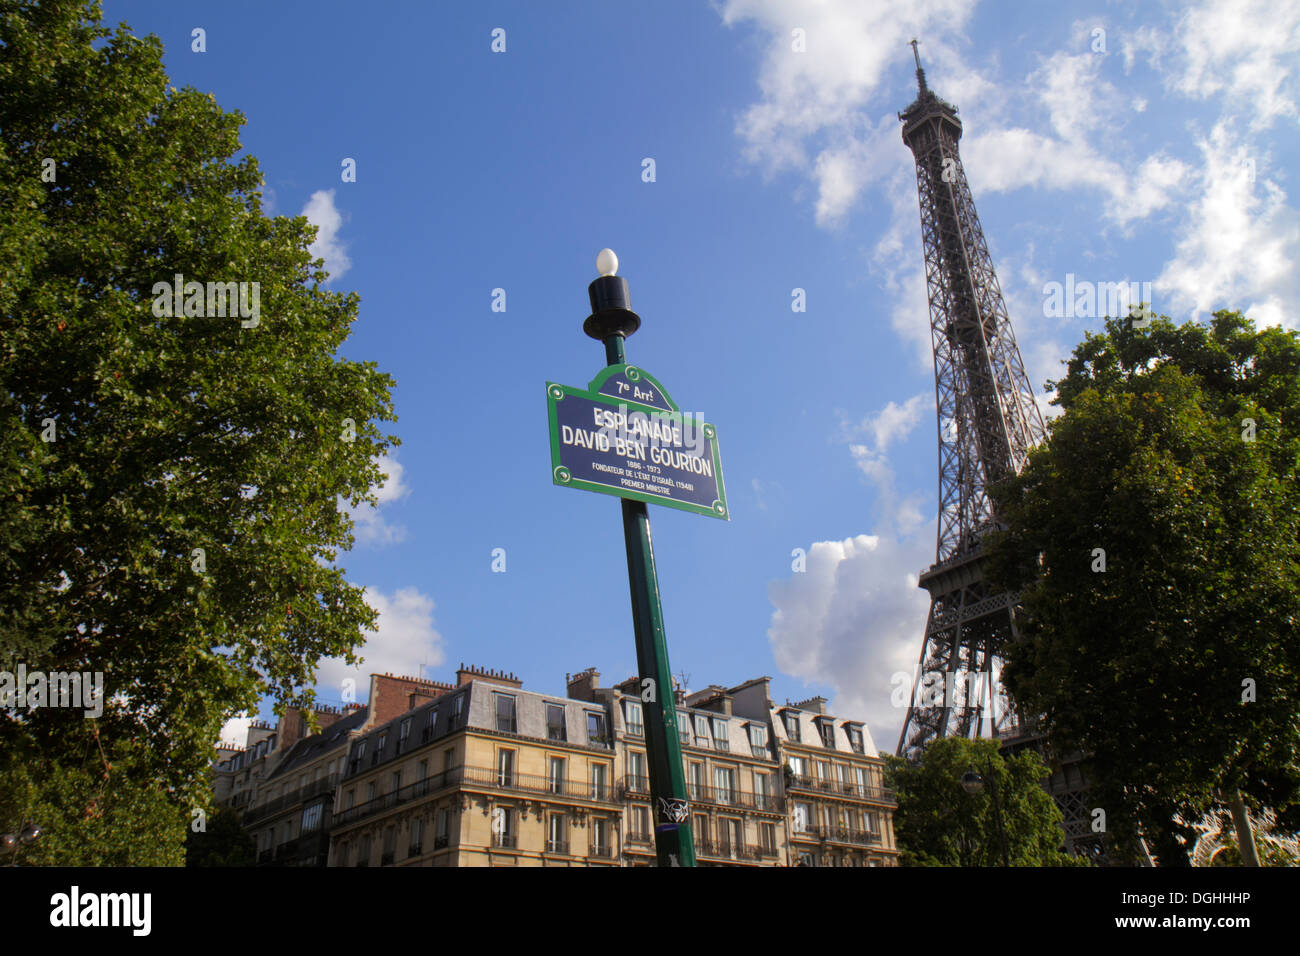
(582, 685)
(467, 674)
(391, 696)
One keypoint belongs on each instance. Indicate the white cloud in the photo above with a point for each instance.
(371, 526)
(853, 619)
(404, 642)
(1239, 243)
(813, 101)
(1243, 49)
(235, 730)
(322, 213)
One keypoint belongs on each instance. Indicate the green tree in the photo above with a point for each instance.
(938, 823)
(171, 486)
(223, 842)
(1155, 542)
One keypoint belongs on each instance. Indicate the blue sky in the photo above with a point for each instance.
(1158, 150)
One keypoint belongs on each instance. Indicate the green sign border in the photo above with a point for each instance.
(561, 476)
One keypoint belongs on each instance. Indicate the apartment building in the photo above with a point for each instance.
(487, 775)
(838, 811)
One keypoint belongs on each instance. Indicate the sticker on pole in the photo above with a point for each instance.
(624, 436)
(673, 811)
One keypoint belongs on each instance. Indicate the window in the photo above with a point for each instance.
(724, 782)
(701, 828)
(792, 726)
(555, 722)
(600, 837)
(702, 737)
(349, 799)
(370, 791)
(763, 790)
(697, 780)
(441, 833)
(311, 818)
(361, 752)
(390, 845)
(379, 747)
(557, 775)
(403, 733)
(767, 836)
(396, 781)
(802, 814)
(855, 739)
(457, 711)
(683, 727)
(721, 737)
(417, 837)
(505, 713)
(632, 717)
(758, 740)
(431, 722)
(860, 773)
(827, 730)
(503, 826)
(345, 854)
(798, 766)
(823, 773)
(636, 766)
(599, 781)
(449, 759)
(556, 834)
(732, 835)
(595, 728)
(422, 770)
(505, 768)
(641, 822)
(363, 856)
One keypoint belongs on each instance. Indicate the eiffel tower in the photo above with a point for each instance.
(988, 422)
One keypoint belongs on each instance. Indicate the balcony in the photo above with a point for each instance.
(603, 852)
(826, 785)
(637, 836)
(387, 858)
(440, 843)
(484, 777)
(636, 785)
(415, 849)
(505, 841)
(726, 797)
(291, 800)
(839, 835)
(557, 846)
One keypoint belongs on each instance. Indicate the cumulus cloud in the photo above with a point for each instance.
(372, 528)
(322, 213)
(235, 730)
(852, 620)
(405, 641)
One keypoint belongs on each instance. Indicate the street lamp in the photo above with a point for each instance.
(973, 783)
(29, 834)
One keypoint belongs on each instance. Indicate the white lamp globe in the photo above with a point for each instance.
(606, 262)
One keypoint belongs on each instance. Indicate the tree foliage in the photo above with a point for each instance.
(170, 434)
(1177, 667)
(939, 824)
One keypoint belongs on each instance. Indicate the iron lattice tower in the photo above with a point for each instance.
(988, 421)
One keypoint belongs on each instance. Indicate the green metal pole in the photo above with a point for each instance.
(674, 845)
(611, 322)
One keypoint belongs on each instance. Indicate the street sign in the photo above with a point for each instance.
(624, 436)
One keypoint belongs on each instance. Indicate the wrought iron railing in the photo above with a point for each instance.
(827, 785)
(304, 793)
(557, 846)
